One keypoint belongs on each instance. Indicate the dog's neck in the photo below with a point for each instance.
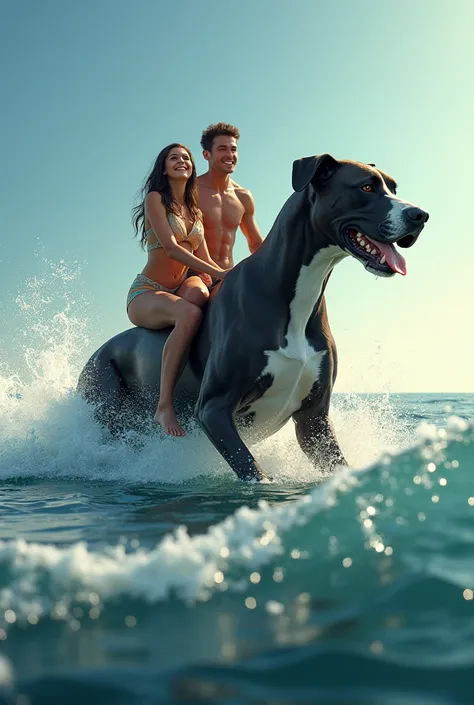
(297, 259)
(310, 285)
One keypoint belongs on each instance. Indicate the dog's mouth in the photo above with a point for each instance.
(380, 258)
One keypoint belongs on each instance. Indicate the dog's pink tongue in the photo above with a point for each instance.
(394, 259)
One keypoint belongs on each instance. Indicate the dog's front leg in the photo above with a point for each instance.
(216, 419)
(317, 439)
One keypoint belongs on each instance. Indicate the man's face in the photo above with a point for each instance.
(223, 155)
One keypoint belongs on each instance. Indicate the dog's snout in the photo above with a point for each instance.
(416, 215)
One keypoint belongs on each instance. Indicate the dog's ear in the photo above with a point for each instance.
(316, 169)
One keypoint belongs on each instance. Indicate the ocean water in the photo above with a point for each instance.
(142, 571)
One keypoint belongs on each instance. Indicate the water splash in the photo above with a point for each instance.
(47, 431)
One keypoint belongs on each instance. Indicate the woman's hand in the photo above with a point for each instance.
(222, 273)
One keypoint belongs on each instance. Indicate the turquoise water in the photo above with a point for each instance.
(143, 572)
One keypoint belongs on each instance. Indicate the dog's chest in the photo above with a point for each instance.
(293, 370)
(296, 366)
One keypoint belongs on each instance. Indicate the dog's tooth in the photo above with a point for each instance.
(367, 247)
(359, 236)
(382, 260)
(374, 252)
(362, 242)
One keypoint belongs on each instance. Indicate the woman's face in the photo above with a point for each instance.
(178, 164)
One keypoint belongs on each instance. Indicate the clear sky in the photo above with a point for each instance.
(92, 91)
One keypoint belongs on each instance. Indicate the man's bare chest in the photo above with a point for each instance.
(224, 210)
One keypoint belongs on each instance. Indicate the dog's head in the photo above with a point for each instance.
(356, 207)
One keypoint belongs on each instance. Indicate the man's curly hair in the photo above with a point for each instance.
(220, 128)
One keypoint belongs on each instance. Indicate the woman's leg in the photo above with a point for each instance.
(194, 290)
(158, 310)
(195, 293)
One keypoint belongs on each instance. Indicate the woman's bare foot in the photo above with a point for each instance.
(166, 417)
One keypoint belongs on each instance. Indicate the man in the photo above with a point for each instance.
(225, 205)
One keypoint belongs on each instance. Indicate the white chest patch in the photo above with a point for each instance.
(296, 367)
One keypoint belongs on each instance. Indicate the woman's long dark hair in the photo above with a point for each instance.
(158, 181)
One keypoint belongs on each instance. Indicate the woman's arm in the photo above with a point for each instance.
(156, 214)
(203, 253)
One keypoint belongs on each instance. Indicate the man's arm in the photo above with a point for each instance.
(248, 224)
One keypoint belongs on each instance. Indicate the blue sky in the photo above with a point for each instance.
(93, 91)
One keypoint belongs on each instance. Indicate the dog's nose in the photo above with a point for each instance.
(416, 215)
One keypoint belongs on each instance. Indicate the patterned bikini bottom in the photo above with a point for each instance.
(141, 284)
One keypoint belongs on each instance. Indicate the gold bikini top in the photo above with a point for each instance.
(178, 226)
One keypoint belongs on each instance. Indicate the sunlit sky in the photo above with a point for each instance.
(92, 91)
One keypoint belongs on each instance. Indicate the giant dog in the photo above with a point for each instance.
(265, 352)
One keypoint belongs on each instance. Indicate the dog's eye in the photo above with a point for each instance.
(367, 188)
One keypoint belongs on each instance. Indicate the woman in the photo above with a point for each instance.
(163, 294)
